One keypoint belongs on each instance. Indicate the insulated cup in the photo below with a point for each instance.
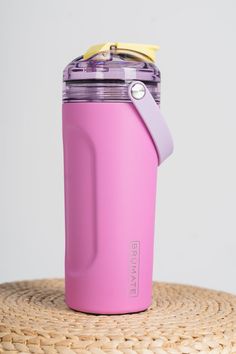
(114, 139)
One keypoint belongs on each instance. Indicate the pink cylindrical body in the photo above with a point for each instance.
(110, 165)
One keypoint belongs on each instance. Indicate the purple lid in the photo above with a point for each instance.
(106, 77)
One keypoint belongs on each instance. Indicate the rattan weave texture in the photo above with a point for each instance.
(182, 319)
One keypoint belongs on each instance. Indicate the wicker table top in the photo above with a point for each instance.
(182, 319)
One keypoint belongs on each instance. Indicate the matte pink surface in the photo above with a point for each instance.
(110, 186)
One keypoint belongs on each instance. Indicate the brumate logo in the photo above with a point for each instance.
(134, 268)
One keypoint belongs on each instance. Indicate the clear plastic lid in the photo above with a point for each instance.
(105, 76)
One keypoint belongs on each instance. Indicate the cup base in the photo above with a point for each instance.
(109, 312)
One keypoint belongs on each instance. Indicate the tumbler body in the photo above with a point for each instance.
(110, 168)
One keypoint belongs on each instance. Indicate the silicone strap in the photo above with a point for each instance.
(153, 120)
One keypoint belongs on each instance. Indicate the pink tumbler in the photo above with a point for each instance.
(114, 139)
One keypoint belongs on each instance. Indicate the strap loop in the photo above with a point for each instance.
(152, 118)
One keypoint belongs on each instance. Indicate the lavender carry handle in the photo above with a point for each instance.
(152, 118)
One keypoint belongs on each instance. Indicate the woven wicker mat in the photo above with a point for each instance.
(182, 319)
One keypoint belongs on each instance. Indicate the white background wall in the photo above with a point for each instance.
(196, 221)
